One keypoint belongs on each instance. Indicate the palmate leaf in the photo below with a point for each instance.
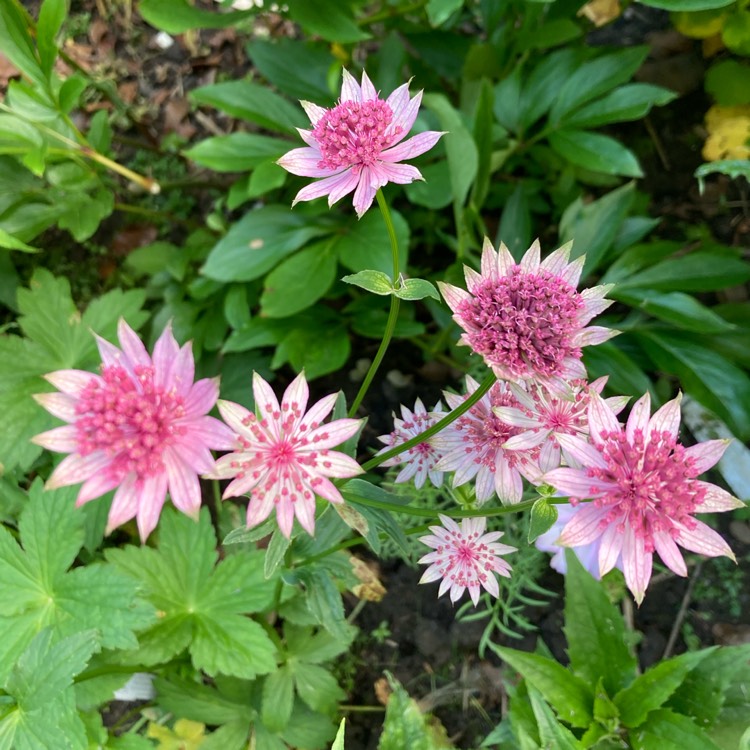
(40, 685)
(203, 605)
(37, 590)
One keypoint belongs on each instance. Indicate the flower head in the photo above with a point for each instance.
(473, 446)
(140, 426)
(285, 457)
(421, 459)
(526, 319)
(543, 414)
(353, 145)
(465, 558)
(644, 490)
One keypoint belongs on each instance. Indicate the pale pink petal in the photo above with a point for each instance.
(202, 396)
(72, 382)
(705, 455)
(333, 434)
(308, 137)
(258, 510)
(368, 90)
(318, 412)
(313, 111)
(210, 432)
(364, 195)
(99, 484)
(669, 553)
(507, 482)
(636, 564)
(703, 540)
(305, 163)
(575, 483)
(398, 101)
(184, 487)
(716, 500)
(639, 417)
(489, 260)
(182, 372)
(236, 416)
(266, 404)
(504, 261)
(412, 147)
(326, 489)
(124, 505)
(166, 352)
(526, 440)
(452, 295)
(335, 464)
(74, 469)
(351, 91)
(556, 262)
(110, 354)
(335, 187)
(593, 335)
(583, 452)
(532, 258)
(294, 401)
(59, 405)
(584, 527)
(131, 345)
(60, 439)
(572, 274)
(610, 549)
(602, 420)
(151, 493)
(399, 174)
(667, 419)
(406, 117)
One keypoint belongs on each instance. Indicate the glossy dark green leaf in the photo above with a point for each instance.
(515, 223)
(330, 19)
(179, 16)
(666, 730)
(629, 102)
(551, 733)
(596, 152)
(237, 152)
(543, 86)
(542, 518)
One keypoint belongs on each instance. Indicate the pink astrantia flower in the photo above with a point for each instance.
(543, 415)
(421, 459)
(472, 446)
(644, 491)
(526, 319)
(353, 145)
(588, 554)
(140, 426)
(465, 558)
(285, 457)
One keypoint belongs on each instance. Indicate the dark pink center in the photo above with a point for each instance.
(354, 134)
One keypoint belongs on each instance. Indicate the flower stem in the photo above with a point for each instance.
(452, 416)
(390, 325)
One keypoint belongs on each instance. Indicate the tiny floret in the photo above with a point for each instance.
(465, 557)
(285, 457)
(420, 460)
(644, 491)
(141, 427)
(358, 144)
(527, 320)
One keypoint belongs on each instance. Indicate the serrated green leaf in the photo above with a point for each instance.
(414, 289)
(376, 282)
(10, 242)
(551, 733)
(324, 601)
(568, 694)
(666, 730)
(275, 552)
(314, 647)
(597, 643)
(278, 698)
(542, 518)
(651, 689)
(317, 687)
(211, 704)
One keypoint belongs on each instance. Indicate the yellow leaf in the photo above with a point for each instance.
(186, 735)
(601, 12)
(699, 24)
(728, 133)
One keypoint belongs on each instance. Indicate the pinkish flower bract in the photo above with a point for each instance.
(465, 558)
(353, 146)
(285, 457)
(526, 319)
(544, 414)
(420, 460)
(644, 491)
(140, 426)
(473, 447)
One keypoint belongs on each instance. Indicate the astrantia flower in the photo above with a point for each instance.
(465, 558)
(285, 457)
(543, 415)
(527, 320)
(645, 491)
(353, 145)
(588, 554)
(140, 426)
(472, 446)
(420, 460)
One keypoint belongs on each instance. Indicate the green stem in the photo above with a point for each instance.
(452, 416)
(390, 325)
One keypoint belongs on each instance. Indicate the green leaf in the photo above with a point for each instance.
(630, 102)
(728, 82)
(544, 84)
(278, 698)
(299, 69)
(593, 227)
(299, 281)
(568, 694)
(317, 687)
(256, 243)
(318, 345)
(51, 17)
(275, 552)
(252, 102)
(594, 78)
(9, 242)
(666, 730)
(314, 647)
(700, 271)
(376, 282)
(414, 289)
(650, 690)
(329, 19)
(179, 16)
(435, 190)
(439, 11)
(732, 168)
(16, 42)
(237, 152)
(324, 601)
(364, 244)
(542, 518)
(484, 139)
(38, 590)
(515, 223)
(688, 5)
(551, 733)
(463, 158)
(204, 605)
(596, 152)
(338, 743)
(677, 308)
(597, 642)
(709, 377)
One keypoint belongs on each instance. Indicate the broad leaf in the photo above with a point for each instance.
(596, 152)
(666, 730)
